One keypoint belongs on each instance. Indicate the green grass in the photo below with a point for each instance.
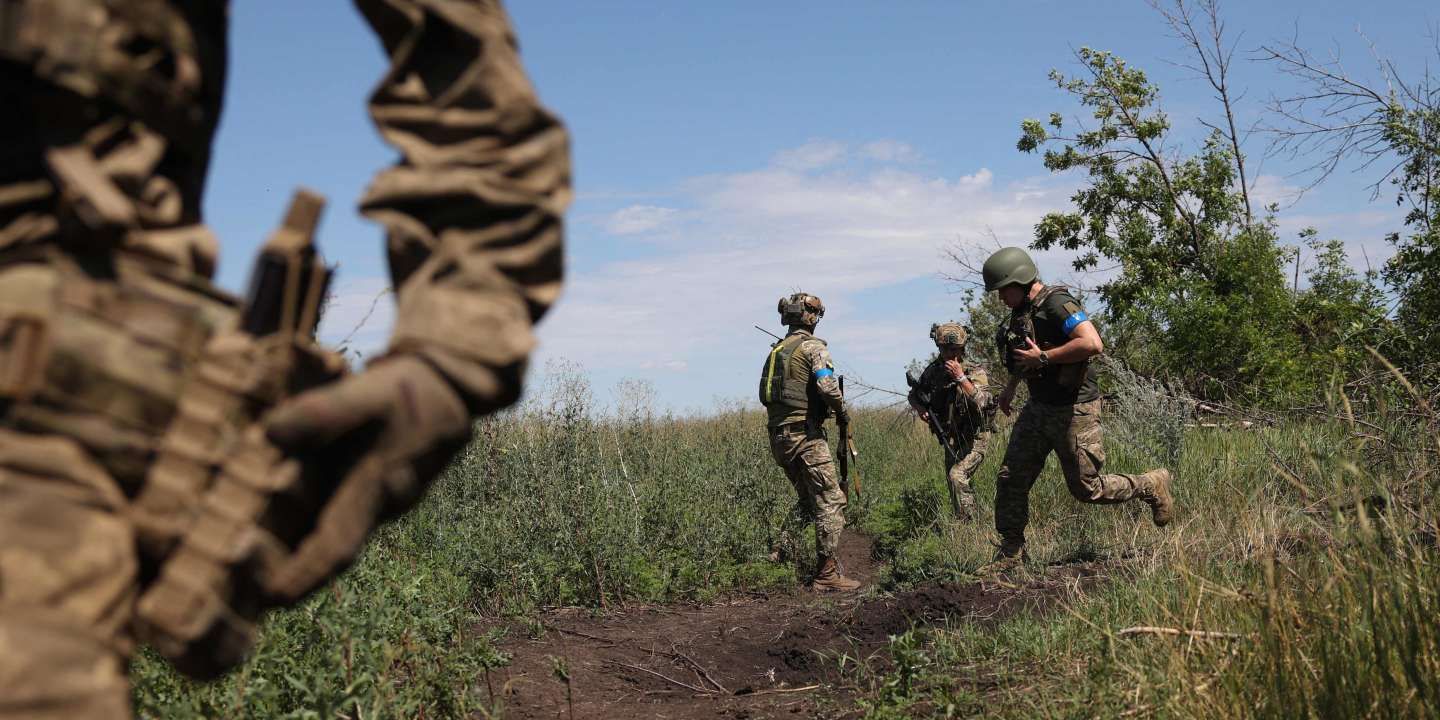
(1310, 545)
(557, 504)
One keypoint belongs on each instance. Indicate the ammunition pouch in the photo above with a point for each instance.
(100, 355)
(205, 504)
(164, 380)
(208, 503)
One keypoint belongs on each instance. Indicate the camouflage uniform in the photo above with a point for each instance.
(965, 421)
(105, 299)
(798, 442)
(1062, 416)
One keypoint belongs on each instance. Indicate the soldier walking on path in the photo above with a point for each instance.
(953, 398)
(142, 496)
(799, 390)
(1048, 342)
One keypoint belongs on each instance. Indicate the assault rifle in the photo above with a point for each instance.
(213, 511)
(848, 454)
(923, 395)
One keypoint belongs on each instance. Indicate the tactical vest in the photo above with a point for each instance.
(1012, 334)
(785, 377)
(948, 403)
(164, 381)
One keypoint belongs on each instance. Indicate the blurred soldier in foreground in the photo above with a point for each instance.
(165, 476)
(953, 399)
(1048, 342)
(799, 390)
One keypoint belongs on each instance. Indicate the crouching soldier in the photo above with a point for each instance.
(1048, 342)
(799, 390)
(952, 398)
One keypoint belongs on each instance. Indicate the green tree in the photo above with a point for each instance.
(1198, 286)
(1393, 124)
(983, 315)
(1340, 312)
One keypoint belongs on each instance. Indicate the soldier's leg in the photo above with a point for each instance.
(1079, 446)
(67, 583)
(829, 501)
(1024, 459)
(801, 514)
(785, 449)
(960, 472)
(950, 462)
(825, 498)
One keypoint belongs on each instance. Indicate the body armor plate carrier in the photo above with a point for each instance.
(1012, 334)
(784, 378)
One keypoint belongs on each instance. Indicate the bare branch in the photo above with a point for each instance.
(1214, 59)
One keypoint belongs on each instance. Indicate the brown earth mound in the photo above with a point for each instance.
(755, 656)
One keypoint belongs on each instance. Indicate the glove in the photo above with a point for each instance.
(366, 448)
(842, 417)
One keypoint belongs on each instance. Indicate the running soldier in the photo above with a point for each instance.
(799, 390)
(1048, 342)
(123, 519)
(954, 400)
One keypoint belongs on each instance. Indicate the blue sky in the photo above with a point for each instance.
(728, 153)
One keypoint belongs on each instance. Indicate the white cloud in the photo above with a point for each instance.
(1273, 189)
(863, 233)
(812, 155)
(637, 219)
(671, 365)
(892, 151)
(806, 220)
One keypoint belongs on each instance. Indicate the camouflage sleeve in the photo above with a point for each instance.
(473, 209)
(822, 368)
(982, 397)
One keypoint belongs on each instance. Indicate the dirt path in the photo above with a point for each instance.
(757, 656)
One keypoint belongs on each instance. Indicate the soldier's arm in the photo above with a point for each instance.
(1084, 343)
(1083, 340)
(979, 388)
(822, 368)
(473, 218)
(1008, 394)
(472, 210)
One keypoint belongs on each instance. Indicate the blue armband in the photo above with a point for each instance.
(823, 373)
(1074, 321)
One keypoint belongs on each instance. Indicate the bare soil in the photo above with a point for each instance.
(748, 657)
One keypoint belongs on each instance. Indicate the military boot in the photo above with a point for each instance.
(1008, 556)
(1157, 495)
(829, 578)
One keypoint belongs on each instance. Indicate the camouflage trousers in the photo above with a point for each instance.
(805, 457)
(68, 582)
(960, 467)
(1073, 433)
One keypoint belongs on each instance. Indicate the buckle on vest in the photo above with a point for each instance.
(24, 349)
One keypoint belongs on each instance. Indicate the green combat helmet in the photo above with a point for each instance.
(1008, 266)
(950, 333)
(800, 309)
